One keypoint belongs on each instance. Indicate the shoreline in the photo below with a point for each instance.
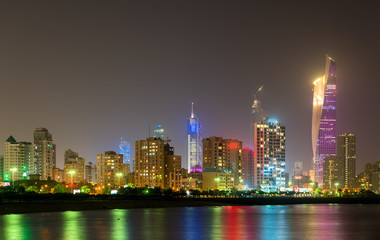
(60, 206)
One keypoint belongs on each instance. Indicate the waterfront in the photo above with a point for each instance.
(318, 221)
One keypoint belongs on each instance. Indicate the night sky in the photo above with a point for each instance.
(93, 72)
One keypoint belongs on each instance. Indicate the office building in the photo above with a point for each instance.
(223, 155)
(125, 150)
(1, 168)
(109, 169)
(194, 143)
(324, 118)
(172, 169)
(269, 157)
(44, 154)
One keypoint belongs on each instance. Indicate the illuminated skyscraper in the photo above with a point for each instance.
(324, 118)
(159, 132)
(347, 155)
(125, 150)
(194, 144)
(269, 157)
(258, 113)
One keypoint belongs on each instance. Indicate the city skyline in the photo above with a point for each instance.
(87, 88)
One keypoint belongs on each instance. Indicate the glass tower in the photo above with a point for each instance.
(324, 118)
(125, 150)
(158, 132)
(194, 144)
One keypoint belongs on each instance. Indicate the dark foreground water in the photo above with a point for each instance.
(246, 222)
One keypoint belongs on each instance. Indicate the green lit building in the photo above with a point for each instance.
(17, 156)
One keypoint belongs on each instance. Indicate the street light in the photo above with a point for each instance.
(13, 170)
(71, 175)
(119, 175)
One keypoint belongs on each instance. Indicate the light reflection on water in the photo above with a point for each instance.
(219, 223)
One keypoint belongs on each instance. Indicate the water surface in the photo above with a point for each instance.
(319, 221)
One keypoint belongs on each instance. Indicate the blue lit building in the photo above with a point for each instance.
(159, 132)
(125, 150)
(194, 144)
(269, 157)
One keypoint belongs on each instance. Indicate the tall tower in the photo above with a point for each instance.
(44, 154)
(324, 118)
(258, 113)
(194, 143)
(347, 155)
(125, 149)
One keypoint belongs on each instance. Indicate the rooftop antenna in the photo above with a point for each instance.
(257, 92)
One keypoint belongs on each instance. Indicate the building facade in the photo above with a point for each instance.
(109, 169)
(73, 167)
(346, 148)
(17, 157)
(58, 174)
(224, 155)
(90, 172)
(333, 172)
(44, 154)
(247, 167)
(194, 143)
(269, 158)
(324, 118)
(125, 150)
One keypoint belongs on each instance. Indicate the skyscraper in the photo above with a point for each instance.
(347, 155)
(269, 157)
(332, 172)
(125, 150)
(194, 143)
(258, 113)
(44, 154)
(159, 132)
(324, 118)
(90, 172)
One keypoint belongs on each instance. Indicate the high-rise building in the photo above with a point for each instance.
(156, 165)
(332, 172)
(125, 150)
(258, 114)
(73, 167)
(109, 169)
(269, 157)
(90, 172)
(17, 156)
(194, 143)
(247, 167)
(223, 155)
(159, 132)
(149, 162)
(324, 118)
(346, 148)
(44, 154)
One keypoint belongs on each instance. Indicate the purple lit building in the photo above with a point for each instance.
(324, 118)
(194, 144)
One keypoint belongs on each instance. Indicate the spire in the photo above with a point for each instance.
(192, 110)
(11, 139)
